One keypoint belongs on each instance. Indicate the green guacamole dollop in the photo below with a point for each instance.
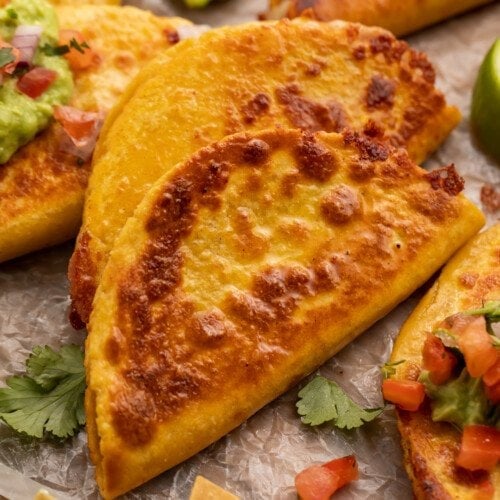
(22, 117)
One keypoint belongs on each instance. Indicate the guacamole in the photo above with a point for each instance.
(22, 117)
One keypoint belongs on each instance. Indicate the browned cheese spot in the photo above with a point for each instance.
(387, 45)
(257, 106)
(369, 149)
(172, 35)
(314, 160)
(468, 280)
(380, 93)
(208, 327)
(359, 53)
(490, 198)
(308, 115)
(447, 179)
(256, 151)
(340, 205)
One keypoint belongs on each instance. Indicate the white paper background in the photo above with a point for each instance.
(260, 459)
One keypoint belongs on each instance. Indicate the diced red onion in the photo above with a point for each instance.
(26, 38)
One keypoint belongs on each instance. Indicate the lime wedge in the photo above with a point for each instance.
(485, 113)
(196, 4)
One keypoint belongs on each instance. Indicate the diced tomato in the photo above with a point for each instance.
(437, 360)
(76, 59)
(320, 482)
(477, 348)
(10, 67)
(485, 490)
(407, 394)
(492, 375)
(35, 82)
(493, 393)
(77, 123)
(316, 483)
(346, 468)
(480, 448)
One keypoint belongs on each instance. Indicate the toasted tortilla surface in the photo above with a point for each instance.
(294, 74)
(241, 271)
(468, 280)
(399, 17)
(41, 187)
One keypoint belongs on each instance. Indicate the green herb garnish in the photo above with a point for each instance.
(490, 310)
(12, 13)
(6, 56)
(49, 398)
(322, 400)
(388, 369)
(60, 50)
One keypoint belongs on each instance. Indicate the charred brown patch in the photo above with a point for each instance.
(313, 69)
(256, 151)
(315, 160)
(208, 327)
(447, 179)
(468, 280)
(490, 198)
(309, 115)
(359, 52)
(257, 106)
(418, 60)
(82, 275)
(134, 417)
(368, 148)
(172, 35)
(380, 93)
(340, 205)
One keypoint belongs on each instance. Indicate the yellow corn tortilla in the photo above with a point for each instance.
(241, 271)
(294, 74)
(468, 280)
(41, 187)
(400, 17)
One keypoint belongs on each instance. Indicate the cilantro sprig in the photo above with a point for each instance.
(323, 400)
(490, 310)
(49, 398)
(389, 369)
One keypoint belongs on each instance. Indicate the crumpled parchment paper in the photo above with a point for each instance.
(260, 458)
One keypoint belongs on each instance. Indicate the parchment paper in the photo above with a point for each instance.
(261, 458)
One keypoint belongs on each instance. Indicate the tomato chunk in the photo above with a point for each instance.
(480, 448)
(492, 375)
(437, 360)
(346, 469)
(493, 393)
(407, 394)
(77, 59)
(477, 348)
(77, 123)
(320, 482)
(35, 82)
(316, 483)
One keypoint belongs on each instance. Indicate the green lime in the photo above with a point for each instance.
(196, 4)
(485, 113)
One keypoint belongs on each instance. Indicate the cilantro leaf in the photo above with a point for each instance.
(323, 400)
(54, 50)
(316, 405)
(12, 13)
(50, 397)
(6, 56)
(80, 46)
